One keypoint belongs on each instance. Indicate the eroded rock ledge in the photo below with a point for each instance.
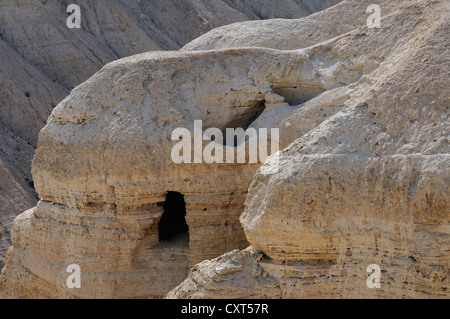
(369, 185)
(103, 165)
(363, 177)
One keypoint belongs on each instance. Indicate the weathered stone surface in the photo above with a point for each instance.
(268, 9)
(41, 59)
(104, 163)
(363, 178)
(369, 185)
(291, 34)
(16, 188)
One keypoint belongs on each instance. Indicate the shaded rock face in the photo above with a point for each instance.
(48, 59)
(42, 60)
(16, 185)
(13, 195)
(369, 185)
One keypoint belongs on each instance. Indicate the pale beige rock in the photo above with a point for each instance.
(291, 34)
(146, 114)
(41, 59)
(48, 59)
(370, 185)
(370, 109)
(44, 59)
(104, 163)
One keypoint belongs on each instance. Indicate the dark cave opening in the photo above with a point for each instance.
(300, 93)
(173, 220)
(244, 120)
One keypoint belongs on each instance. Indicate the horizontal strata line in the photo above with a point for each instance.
(220, 200)
(366, 155)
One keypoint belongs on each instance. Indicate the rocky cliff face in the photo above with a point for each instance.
(369, 185)
(103, 168)
(363, 175)
(42, 60)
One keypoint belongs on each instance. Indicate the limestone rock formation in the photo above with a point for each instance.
(103, 167)
(363, 174)
(282, 34)
(107, 149)
(41, 59)
(370, 185)
(47, 58)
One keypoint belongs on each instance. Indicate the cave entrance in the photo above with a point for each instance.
(172, 225)
(300, 93)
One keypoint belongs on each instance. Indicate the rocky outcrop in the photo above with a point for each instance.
(101, 208)
(363, 177)
(42, 59)
(44, 56)
(370, 185)
(282, 34)
(103, 168)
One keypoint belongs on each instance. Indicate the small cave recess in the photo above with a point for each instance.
(172, 225)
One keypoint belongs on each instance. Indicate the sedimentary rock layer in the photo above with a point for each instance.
(41, 59)
(103, 167)
(107, 148)
(363, 178)
(369, 185)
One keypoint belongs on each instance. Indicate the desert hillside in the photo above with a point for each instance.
(145, 192)
(41, 61)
